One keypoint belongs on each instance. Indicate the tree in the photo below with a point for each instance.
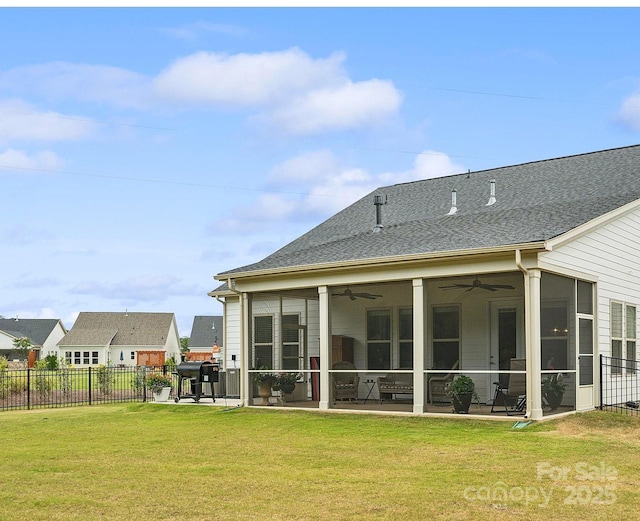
(22, 345)
(184, 344)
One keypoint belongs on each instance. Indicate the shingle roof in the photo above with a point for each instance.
(535, 202)
(36, 329)
(203, 333)
(119, 329)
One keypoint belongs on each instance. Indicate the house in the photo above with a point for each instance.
(455, 275)
(207, 338)
(44, 334)
(126, 339)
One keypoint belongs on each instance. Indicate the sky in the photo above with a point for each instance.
(145, 150)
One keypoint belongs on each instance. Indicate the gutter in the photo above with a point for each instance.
(382, 261)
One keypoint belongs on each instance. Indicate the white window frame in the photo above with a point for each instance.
(626, 335)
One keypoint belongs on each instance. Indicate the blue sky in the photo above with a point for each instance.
(144, 150)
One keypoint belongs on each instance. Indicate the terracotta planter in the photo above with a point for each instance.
(264, 391)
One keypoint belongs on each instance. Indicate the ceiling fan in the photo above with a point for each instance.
(353, 296)
(477, 284)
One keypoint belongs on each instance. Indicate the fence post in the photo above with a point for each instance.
(28, 388)
(90, 386)
(601, 379)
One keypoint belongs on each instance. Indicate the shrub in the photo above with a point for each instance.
(106, 379)
(43, 383)
(51, 362)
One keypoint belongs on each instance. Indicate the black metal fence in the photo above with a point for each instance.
(43, 388)
(619, 389)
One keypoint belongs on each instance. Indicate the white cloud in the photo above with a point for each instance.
(629, 113)
(300, 94)
(428, 164)
(350, 105)
(20, 160)
(20, 121)
(324, 186)
(95, 83)
(245, 79)
(138, 289)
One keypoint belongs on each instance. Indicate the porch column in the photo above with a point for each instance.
(325, 346)
(534, 380)
(418, 345)
(246, 381)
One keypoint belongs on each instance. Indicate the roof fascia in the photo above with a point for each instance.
(382, 261)
(592, 225)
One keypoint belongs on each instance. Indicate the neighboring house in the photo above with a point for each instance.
(536, 261)
(127, 338)
(207, 338)
(44, 334)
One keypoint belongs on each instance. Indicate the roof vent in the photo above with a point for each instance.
(378, 201)
(454, 208)
(492, 196)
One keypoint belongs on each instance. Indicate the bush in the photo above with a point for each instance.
(137, 381)
(106, 379)
(43, 383)
(51, 362)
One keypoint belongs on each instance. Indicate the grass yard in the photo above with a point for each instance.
(163, 462)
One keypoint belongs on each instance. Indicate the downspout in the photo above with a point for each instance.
(527, 326)
(243, 366)
(224, 334)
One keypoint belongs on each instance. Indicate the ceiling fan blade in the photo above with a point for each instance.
(488, 288)
(457, 286)
(367, 295)
(501, 286)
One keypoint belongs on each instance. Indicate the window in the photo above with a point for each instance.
(94, 357)
(446, 337)
(76, 357)
(290, 341)
(67, 357)
(263, 341)
(623, 338)
(378, 339)
(405, 334)
(133, 355)
(554, 335)
(85, 357)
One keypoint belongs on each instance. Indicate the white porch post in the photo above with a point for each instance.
(418, 345)
(325, 346)
(245, 324)
(534, 381)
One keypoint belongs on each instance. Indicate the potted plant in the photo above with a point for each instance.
(265, 382)
(553, 388)
(160, 385)
(461, 390)
(286, 382)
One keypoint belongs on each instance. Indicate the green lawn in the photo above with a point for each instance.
(173, 462)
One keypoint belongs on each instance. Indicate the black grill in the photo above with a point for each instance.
(197, 373)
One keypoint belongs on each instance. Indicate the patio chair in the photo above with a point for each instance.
(437, 385)
(345, 385)
(512, 395)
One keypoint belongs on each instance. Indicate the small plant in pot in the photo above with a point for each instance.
(286, 382)
(265, 382)
(553, 388)
(158, 381)
(462, 390)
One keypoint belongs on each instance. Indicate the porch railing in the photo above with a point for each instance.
(619, 389)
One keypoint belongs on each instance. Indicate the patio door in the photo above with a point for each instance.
(506, 340)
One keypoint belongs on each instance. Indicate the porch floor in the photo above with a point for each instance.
(406, 406)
